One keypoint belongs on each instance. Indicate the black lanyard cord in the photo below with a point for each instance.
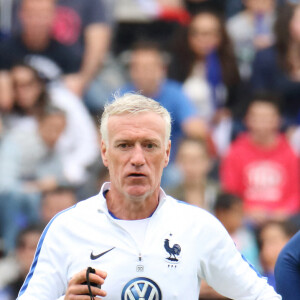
(88, 271)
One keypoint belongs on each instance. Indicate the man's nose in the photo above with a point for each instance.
(138, 158)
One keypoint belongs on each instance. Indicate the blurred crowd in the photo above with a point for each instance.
(228, 71)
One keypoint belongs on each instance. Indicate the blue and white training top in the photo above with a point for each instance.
(182, 245)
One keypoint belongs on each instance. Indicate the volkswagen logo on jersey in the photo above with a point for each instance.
(141, 288)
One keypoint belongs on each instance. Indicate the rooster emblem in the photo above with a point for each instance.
(173, 251)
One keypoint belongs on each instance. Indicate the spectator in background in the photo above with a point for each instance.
(252, 30)
(22, 258)
(56, 200)
(229, 210)
(272, 237)
(147, 70)
(78, 145)
(29, 166)
(84, 28)
(204, 61)
(72, 35)
(277, 68)
(36, 17)
(194, 163)
(261, 166)
(23, 150)
(30, 96)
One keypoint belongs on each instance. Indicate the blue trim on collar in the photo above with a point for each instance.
(104, 195)
(113, 215)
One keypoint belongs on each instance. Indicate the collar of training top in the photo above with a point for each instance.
(102, 205)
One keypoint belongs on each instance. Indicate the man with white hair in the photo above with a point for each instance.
(139, 242)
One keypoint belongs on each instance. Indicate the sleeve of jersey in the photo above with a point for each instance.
(287, 269)
(228, 272)
(291, 199)
(46, 279)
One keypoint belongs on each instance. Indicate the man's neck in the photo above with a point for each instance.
(35, 44)
(196, 184)
(151, 93)
(131, 208)
(266, 141)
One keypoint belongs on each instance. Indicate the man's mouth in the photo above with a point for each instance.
(136, 175)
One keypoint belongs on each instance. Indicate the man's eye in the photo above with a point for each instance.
(123, 146)
(150, 146)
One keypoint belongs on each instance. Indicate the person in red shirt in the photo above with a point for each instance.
(260, 165)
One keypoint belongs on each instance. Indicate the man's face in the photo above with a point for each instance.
(193, 161)
(273, 239)
(294, 26)
(204, 34)
(52, 204)
(147, 71)
(37, 17)
(26, 87)
(259, 6)
(263, 119)
(51, 128)
(136, 154)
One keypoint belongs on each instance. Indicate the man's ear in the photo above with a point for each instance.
(104, 153)
(167, 156)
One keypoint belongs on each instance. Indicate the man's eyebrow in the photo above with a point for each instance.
(154, 140)
(148, 140)
(122, 141)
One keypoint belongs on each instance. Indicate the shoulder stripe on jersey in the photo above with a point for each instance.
(251, 266)
(37, 253)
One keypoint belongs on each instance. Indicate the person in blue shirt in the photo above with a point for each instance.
(147, 71)
(276, 68)
(287, 269)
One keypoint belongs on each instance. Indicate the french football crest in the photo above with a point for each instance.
(173, 251)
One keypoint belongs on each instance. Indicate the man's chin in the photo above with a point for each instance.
(138, 192)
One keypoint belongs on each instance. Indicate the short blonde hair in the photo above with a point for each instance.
(131, 103)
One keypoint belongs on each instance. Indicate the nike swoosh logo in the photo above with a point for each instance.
(93, 257)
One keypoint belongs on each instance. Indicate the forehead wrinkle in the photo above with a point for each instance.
(130, 126)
